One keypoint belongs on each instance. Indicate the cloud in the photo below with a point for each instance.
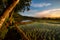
(40, 4)
(29, 13)
(49, 13)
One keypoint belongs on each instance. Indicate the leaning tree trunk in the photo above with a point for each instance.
(6, 15)
(7, 12)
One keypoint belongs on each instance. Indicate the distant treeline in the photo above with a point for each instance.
(50, 18)
(19, 18)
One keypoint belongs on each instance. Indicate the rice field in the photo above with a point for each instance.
(42, 30)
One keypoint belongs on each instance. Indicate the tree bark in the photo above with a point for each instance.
(11, 17)
(7, 12)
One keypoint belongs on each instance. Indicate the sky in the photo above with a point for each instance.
(43, 8)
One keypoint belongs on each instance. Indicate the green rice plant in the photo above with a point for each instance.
(42, 31)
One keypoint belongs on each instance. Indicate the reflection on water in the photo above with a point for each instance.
(26, 21)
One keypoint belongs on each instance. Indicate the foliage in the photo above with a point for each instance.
(21, 6)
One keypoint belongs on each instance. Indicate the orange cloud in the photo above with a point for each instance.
(49, 13)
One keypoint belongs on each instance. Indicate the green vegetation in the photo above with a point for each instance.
(38, 30)
(43, 30)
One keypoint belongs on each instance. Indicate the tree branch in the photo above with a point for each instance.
(7, 12)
